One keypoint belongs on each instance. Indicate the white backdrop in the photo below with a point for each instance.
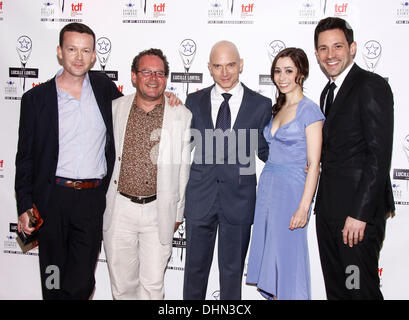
(186, 30)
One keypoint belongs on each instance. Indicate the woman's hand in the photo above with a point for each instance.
(299, 219)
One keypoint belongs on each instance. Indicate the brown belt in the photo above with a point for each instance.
(78, 184)
(140, 200)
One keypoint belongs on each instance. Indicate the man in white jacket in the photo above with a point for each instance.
(146, 195)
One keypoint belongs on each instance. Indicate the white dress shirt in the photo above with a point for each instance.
(338, 83)
(235, 100)
(340, 79)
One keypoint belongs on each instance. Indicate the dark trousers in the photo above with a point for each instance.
(70, 242)
(350, 273)
(233, 241)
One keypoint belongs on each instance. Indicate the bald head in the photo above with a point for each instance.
(225, 64)
(224, 47)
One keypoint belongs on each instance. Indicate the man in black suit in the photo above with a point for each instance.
(64, 162)
(354, 194)
(221, 192)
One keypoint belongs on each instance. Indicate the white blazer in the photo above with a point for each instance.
(173, 164)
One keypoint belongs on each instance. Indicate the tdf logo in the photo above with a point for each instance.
(159, 7)
(247, 8)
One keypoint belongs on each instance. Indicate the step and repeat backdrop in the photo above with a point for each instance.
(186, 30)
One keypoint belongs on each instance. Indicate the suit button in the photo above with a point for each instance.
(218, 181)
(115, 181)
(119, 158)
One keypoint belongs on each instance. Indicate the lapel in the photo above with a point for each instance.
(165, 144)
(244, 109)
(205, 109)
(98, 90)
(123, 110)
(169, 147)
(343, 92)
(52, 97)
(322, 97)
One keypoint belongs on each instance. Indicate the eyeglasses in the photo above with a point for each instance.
(149, 73)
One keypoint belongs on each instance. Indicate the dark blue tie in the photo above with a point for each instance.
(223, 120)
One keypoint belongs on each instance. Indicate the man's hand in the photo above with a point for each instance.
(173, 100)
(353, 231)
(24, 223)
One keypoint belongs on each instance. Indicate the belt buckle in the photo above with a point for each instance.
(77, 185)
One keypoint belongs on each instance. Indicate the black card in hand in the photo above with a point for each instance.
(30, 241)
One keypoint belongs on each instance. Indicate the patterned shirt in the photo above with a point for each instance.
(140, 151)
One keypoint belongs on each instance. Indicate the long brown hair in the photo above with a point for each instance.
(300, 60)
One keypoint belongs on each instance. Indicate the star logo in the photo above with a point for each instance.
(372, 50)
(104, 46)
(103, 50)
(275, 47)
(25, 44)
(188, 47)
(371, 53)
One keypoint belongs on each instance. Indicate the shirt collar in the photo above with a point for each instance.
(340, 79)
(234, 91)
(158, 109)
(85, 84)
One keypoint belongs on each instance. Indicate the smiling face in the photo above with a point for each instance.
(225, 65)
(149, 88)
(333, 52)
(285, 76)
(77, 53)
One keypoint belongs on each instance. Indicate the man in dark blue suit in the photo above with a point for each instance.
(64, 162)
(227, 125)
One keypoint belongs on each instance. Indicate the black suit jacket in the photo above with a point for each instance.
(238, 190)
(357, 149)
(37, 150)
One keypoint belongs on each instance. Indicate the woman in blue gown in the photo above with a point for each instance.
(278, 260)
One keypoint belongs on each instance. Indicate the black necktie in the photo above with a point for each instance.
(330, 98)
(223, 120)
